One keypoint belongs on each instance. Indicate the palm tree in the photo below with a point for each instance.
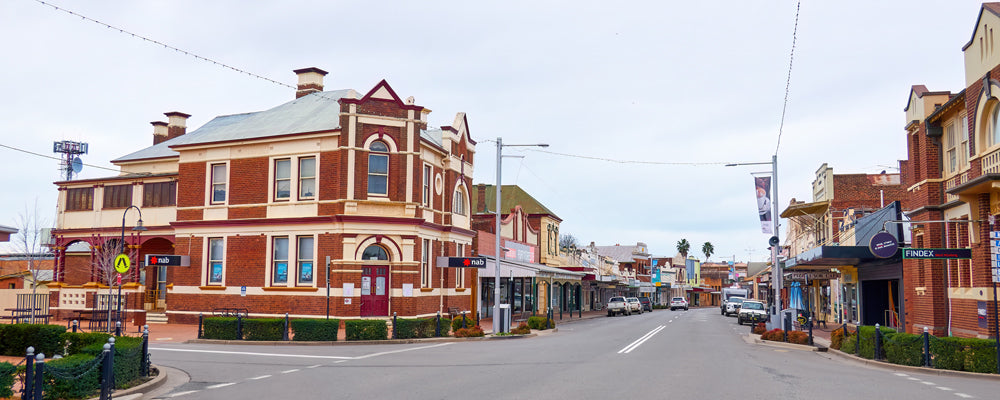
(683, 247)
(708, 249)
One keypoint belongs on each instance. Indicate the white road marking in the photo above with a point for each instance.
(247, 353)
(178, 394)
(963, 395)
(396, 351)
(913, 379)
(338, 362)
(640, 341)
(289, 371)
(220, 385)
(260, 377)
(900, 374)
(947, 389)
(928, 383)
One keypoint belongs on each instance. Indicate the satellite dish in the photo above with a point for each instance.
(77, 165)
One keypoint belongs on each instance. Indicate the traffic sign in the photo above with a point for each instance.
(461, 262)
(168, 260)
(118, 279)
(122, 264)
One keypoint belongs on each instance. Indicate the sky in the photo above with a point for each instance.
(641, 103)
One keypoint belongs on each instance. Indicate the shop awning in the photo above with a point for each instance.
(514, 268)
(699, 289)
(831, 256)
(798, 210)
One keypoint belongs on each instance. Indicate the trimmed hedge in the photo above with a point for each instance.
(904, 348)
(414, 328)
(947, 353)
(76, 342)
(867, 340)
(263, 328)
(222, 328)
(981, 355)
(775, 334)
(47, 339)
(964, 354)
(128, 359)
(315, 330)
(539, 323)
(366, 329)
(837, 338)
(798, 337)
(7, 371)
(474, 331)
(82, 367)
(522, 329)
(445, 324)
(456, 323)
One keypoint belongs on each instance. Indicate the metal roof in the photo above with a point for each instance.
(315, 112)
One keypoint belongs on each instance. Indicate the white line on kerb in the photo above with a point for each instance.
(220, 385)
(640, 341)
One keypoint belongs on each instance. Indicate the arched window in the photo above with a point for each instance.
(994, 123)
(375, 252)
(458, 203)
(378, 168)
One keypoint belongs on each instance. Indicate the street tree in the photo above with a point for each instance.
(708, 249)
(29, 243)
(683, 247)
(567, 242)
(103, 263)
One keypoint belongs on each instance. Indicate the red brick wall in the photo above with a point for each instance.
(190, 186)
(332, 177)
(248, 180)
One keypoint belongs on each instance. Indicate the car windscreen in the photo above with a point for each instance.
(736, 300)
(613, 299)
(677, 299)
(753, 306)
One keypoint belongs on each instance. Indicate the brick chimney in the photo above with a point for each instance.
(176, 124)
(310, 81)
(481, 197)
(159, 131)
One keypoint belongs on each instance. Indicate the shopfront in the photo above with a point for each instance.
(529, 287)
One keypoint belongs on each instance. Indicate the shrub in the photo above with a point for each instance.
(947, 353)
(445, 324)
(904, 348)
(474, 331)
(798, 337)
(263, 328)
(414, 328)
(75, 342)
(82, 366)
(366, 329)
(867, 341)
(521, 329)
(315, 330)
(46, 339)
(848, 345)
(980, 355)
(222, 328)
(775, 334)
(539, 323)
(456, 323)
(759, 329)
(128, 359)
(837, 338)
(7, 371)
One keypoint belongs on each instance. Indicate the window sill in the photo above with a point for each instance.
(459, 290)
(426, 289)
(212, 287)
(289, 289)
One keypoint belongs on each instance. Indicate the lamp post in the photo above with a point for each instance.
(496, 277)
(138, 227)
(776, 272)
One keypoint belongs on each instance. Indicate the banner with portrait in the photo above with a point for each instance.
(763, 185)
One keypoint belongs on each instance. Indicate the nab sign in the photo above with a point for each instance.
(461, 262)
(167, 260)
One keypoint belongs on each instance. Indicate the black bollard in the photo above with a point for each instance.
(39, 376)
(394, 326)
(462, 315)
(201, 319)
(29, 370)
(437, 325)
(239, 327)
(927, 348)
(106, 373)
(857, 340)
(284, 334)
(811, 331)
(145, 351)
(878, 343)
(75, 325)
(118, 328)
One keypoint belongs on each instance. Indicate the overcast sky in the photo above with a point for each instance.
(652, 82)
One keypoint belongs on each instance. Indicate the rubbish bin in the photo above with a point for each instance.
(503, 320)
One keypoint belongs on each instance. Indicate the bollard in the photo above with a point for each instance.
(437, 325)
(548, 318)
(463, 320)
(239, 327)
(284, 334)
(810, 330)
(857, 340)
(105, 374)
(560, 312)
(111, 362)
(927, 348)
(39, 376)
(29, 368)
(878, 344)
(118, 328)
(394, 335)
(145, 351)
(201, 319)
(477, 318)
(75, 325)
(787, 325)
(579, 309)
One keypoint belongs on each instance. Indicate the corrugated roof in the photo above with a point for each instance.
(512, 196)
(435, 136)
(617, 253)
(315, 112)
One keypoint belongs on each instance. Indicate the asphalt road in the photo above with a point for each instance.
(695, 354)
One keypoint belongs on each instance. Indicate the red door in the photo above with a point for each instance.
(375, 291)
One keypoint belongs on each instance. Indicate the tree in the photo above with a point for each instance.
(567, 241)
(104, 264)
(708, 249)
(683, 246)
(30, 242)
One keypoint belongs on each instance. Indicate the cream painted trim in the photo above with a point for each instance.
(387, 121)
(254, 141)
(411, 144)
(352, 135)
(973, 293)
(256, 315)
(978, 135)
(925, 181)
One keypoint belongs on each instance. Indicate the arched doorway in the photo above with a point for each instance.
(154, 278)
(375, 282)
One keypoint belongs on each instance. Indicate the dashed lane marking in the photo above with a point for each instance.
(221, 385)
(179, 394)
(260, 377)
(314, 366)
(963, 395)
(900, 374)
(928, 383)
(289, 371)
(947, 389)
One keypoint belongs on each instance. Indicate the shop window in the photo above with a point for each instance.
(159, 194)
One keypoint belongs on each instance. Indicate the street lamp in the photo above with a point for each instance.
(139, 228)
(776, 272)
(496, 277)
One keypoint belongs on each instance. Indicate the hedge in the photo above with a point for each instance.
(47, 339)
(456, 323)
(222, 328)
(904, 348)
(315, 330)
(263, 328)
(837, 338)
(867, 348)
(85, 371)
(981, 355)
(539, 323)
(366, 329)
(76, 341)
(775, 334)
(128, 359)
(7, 371)
(413, 328)
(798, 337)
(445, 324)
(964, 354)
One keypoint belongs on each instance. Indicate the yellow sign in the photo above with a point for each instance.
(122, 263)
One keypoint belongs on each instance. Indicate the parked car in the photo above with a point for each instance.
(634, 304)
(618, 305)
(678, 302)
(647, 305)
(752, 312)
(732, 306)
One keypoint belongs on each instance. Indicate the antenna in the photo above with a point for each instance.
(72, 163)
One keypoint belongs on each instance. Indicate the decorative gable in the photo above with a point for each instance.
(981, 52)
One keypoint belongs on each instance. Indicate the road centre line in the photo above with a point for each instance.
(260, 377)
(640, 341)
(221, 385)
(289, 371)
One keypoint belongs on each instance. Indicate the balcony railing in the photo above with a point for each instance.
(991, 162)
(959, 179)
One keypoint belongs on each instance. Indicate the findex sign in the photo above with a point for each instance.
(937, 254)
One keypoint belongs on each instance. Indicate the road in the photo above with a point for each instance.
(692, 354)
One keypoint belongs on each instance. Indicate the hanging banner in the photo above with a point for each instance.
(763, 185)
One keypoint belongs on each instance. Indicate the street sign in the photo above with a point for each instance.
(168, 260)
(243, 291)
(122, 264)
(883, 245)
(461, 262)
(994, 234)
(937, 254)
(118, 279)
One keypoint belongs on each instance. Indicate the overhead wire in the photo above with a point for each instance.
(53, 157)
(788, 81)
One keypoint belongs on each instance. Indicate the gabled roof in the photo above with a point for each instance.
(512, 195)
(993, 8)
(315, 112)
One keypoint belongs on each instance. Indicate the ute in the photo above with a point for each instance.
(618, 305)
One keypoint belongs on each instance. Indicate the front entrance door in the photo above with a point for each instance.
(374, 291)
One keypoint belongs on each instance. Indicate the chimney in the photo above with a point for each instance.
(176, 124)
(310, 81)
(159, 131)
(481, 197)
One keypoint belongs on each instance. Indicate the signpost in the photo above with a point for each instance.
(995, 272)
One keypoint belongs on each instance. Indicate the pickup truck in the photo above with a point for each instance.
(618, 305)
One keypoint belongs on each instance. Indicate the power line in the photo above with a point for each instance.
(54, 158)
(788, 81)
(612, 160)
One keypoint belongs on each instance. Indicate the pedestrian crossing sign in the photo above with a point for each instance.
(122, 263)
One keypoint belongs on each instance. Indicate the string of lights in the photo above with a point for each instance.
(788, 81)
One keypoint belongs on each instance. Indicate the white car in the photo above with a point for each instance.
(634, 304)
(732, 306)
(751, 312)
(678, 302)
